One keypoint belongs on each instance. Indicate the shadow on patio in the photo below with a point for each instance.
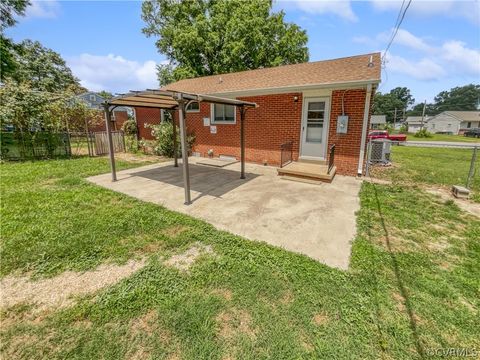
(204, 179)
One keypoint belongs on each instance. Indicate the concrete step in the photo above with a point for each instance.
(316, 172)
(312, 161)
(301, 179)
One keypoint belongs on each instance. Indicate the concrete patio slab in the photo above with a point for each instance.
(316, 220)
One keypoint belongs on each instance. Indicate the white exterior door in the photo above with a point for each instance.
(314, 134)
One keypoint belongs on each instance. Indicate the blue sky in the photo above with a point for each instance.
(438, 46)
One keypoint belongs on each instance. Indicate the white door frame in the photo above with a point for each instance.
(326, 126)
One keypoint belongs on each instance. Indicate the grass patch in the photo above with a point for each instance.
(435, 166)
(402, 296)
(445, 137)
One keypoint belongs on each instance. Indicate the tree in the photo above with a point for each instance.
(8, 10)
(44, 69)
(385, 104)
(25, 109)
(206, 37)
(458, 98)
(105, 94)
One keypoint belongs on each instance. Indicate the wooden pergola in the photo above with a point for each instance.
(173, 100)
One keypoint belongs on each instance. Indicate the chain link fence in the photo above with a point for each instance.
(442, 165)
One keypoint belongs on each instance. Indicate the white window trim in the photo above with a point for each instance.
(212, 116)
(194, 111)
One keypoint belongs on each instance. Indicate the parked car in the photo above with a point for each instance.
(472, 133)
(383, 134)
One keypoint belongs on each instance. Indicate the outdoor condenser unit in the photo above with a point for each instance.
(380, 151)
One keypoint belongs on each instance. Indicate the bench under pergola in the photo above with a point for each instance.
(173, 100)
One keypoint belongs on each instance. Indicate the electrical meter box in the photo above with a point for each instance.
(342, 124)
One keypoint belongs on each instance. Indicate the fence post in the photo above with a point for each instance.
(369, 154)
(472, 167)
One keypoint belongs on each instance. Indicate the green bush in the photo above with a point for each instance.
(163, 134)
(129, 127)
(403, 129)
(423, 133)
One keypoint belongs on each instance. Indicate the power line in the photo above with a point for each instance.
(397, 26)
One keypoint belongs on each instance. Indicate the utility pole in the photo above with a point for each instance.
(423, 113)
(395, 119)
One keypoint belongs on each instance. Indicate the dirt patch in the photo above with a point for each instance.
(287, 298)
(144, 324)
(320, 319)
(186, 259)
(175, 231)
(58, 291)
(234, 321)
(399, 301)
(223, 293)
(464, 204)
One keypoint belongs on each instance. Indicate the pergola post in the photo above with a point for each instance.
(242, 141)
(108, 124)
(174, 125)
(183, 140)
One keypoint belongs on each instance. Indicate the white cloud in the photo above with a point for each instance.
(451, 58)
(424, 69)
(462, 58)
(341, 8)
(113, 73)
(469, 10)
(406, 38)
(43, 9)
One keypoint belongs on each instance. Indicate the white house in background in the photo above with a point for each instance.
(414, 123)
(378, 121)
(454, 122)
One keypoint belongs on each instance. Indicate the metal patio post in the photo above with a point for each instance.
(242, 141)
(183, 140)
(108, 118)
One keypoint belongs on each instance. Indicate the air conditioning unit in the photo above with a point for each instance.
(380, 151)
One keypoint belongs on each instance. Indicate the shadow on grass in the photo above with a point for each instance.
(398, 277)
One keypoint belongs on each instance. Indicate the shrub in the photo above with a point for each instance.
(403, 129)
(129, 127)
(423, 133)
(163, 144)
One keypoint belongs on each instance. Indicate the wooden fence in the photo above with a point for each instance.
(100, 142)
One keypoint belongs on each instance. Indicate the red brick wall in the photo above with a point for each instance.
(146, 116)
(347, 146)
(275, 121)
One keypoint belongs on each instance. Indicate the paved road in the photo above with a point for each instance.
(441, 144)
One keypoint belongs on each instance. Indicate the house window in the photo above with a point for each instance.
(92, 98)
(223, 114)
(469, 125)
(433, 126)
(194, 106)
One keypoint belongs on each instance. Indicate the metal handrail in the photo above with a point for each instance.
(286, 153)
(331, 158)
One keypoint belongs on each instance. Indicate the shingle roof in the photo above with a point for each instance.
(465, 115)
(336, 71)
(415, 120)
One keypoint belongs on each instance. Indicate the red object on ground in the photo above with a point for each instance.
(383, 134)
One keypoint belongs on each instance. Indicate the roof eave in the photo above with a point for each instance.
(289, 88)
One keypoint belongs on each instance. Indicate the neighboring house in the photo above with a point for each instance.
(378, 121)
(94, 101)
(454, 122)
(415, 123)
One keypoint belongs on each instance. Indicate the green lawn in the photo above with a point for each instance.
(434, 166)
(444, 137)
(413, 285)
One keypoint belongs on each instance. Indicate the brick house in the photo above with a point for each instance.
(313, 105)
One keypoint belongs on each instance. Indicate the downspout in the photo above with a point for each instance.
(363, 141)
